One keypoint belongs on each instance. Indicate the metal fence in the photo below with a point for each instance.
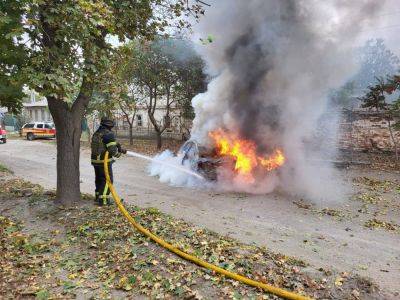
(147, 133)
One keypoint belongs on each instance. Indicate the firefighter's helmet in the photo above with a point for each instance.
(107, 122)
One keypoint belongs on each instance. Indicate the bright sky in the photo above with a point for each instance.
(388, 26)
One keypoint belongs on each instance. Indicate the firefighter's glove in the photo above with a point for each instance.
(120, 149)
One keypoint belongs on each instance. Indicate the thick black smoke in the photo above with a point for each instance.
(273, 63)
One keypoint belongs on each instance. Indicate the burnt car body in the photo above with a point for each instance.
(201, 159)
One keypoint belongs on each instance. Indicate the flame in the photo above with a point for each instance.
(274, 161)
(244, 153)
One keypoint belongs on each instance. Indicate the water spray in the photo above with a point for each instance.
(182, 169)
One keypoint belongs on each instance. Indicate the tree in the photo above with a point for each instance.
(344, 96)
(67, 45)
(170, 74)
(192, 81)
(376, 60)
(12, 56)
(128, 106)
(393, 85)
(152, 70)
(122, 88)
(376, 98)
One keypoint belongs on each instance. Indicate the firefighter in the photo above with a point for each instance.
(104, 140)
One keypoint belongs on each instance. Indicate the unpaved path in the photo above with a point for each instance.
(270, 220)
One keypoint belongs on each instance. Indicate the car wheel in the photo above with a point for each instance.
(30, 136)
(4, 141)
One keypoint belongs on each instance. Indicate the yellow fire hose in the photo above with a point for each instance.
(268, 288)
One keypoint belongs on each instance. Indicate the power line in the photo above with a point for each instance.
(380, 28)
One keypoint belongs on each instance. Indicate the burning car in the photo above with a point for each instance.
(238, 155)
(200, 159)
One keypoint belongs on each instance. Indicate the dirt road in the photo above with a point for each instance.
(331, 237)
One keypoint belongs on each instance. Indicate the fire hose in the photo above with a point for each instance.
(266, 287)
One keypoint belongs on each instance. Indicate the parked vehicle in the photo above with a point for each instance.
(38, 130)
(3, 135)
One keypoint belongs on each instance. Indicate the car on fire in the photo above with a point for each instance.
(3, 135)
(201, 159)
(35, 130)
(233, 154)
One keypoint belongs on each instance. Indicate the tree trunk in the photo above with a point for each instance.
(393, 140)
(131, 134)
(159, 140)
(68, 126)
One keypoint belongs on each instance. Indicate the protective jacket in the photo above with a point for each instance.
(104, 140)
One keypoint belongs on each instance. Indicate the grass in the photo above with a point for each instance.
(4, 169)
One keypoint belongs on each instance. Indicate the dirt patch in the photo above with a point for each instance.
(87, 251)
(380, 160)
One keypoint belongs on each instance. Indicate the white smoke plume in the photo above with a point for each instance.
(169, 168)
(273, 63)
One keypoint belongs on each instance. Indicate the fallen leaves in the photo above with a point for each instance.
(375, 223)
(96, 253)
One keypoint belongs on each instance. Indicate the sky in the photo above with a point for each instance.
(388, 27)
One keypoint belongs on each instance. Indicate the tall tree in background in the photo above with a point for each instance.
(68, 48)
(156, 73)
(122, 88)
(192, 81)
(170, 74)
(376, 60)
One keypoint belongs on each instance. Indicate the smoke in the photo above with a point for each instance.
(168, 167)
(273, 63)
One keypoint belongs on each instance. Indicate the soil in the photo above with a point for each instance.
(359, 236)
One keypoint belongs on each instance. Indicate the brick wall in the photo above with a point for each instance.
(362, 130)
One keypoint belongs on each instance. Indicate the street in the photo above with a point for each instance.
(273, 220)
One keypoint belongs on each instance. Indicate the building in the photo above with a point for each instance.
(35, 109)
(142, 126)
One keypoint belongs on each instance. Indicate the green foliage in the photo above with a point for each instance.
(167, 68)
(67, 43)
(12, 55)
(42, 295)
(375, 97)
(4, 169)
(393, 85)
(67, 46)
(344, 96)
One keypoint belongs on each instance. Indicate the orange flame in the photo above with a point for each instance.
(244, 153)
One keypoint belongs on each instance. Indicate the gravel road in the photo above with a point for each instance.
(273, 220)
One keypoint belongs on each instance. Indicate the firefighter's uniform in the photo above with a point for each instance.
(104, 140)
